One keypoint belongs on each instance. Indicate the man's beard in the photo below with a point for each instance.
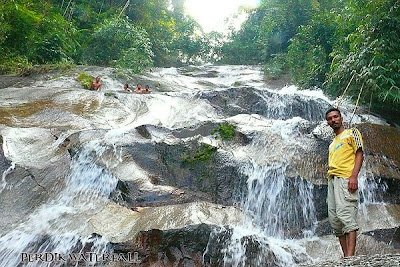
(336, 126)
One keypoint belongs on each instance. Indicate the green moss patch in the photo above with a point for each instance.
(225, 130)
(203, 153)
(85, 80)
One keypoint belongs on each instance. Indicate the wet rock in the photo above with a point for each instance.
(190, 167)
(200, 167)
(320, 193)
(194, 245)
(324, 227)
(312, 162)
(200, 72)
(389, 236)
(4, 162)
(142, 130)
(176, 247)
(247, 100)
(203, 129)
(26, 189)
(19, 81)
(382, 146)
(120, 224)
(129, 194)
(258, 250)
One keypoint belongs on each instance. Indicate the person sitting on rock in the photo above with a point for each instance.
(96, 84)
(126, 88)
(138, 89)
(146, 89)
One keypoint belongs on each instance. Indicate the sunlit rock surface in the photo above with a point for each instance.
(122, 224)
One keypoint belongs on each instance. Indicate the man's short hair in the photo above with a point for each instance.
(333, 109)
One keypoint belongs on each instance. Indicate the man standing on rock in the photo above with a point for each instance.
(345, 160)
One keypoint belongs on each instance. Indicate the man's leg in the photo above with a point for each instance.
(343, 244)
(336, 224)
(347, 206)
(351, 243)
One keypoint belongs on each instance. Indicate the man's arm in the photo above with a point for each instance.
(353, 179)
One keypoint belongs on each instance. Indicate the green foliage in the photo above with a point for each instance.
(136, 58)
(244, 46)
(85, 80)
(98, 32)
(276, 67)
(33, 31)
(309, 52)
(22, 66)
(267, 31)
(225, 130)
(119, 43)
(14, 64)
(204, 153)
(374, 56)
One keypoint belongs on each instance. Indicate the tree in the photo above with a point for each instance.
(117, 42)
(372, 65)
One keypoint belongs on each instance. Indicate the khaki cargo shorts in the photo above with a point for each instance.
(342, 206)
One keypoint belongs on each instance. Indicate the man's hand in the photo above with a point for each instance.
(353, 183)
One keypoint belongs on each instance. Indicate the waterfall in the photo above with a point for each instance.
(276, 204)
(277, 209)
(263, 189)
(60, 225)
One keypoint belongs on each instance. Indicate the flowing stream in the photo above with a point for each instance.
(279, 212)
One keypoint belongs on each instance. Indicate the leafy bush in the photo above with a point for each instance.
(85, 80)
(34, 31)
(225, 130)
(119, 43)
(14, 65)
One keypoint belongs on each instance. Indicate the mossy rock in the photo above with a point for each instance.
(225, 130)
(237, 83)
(85, 80)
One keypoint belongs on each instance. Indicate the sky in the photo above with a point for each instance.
(211, 13)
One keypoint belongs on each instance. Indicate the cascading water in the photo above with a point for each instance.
(278, 208)
(60, 226)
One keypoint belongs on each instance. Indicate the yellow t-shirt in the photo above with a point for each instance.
(342, 153)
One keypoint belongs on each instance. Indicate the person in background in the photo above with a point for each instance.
(138, 89)
(147, 89)
(345, 160)
(96, 84)
(126, 88)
